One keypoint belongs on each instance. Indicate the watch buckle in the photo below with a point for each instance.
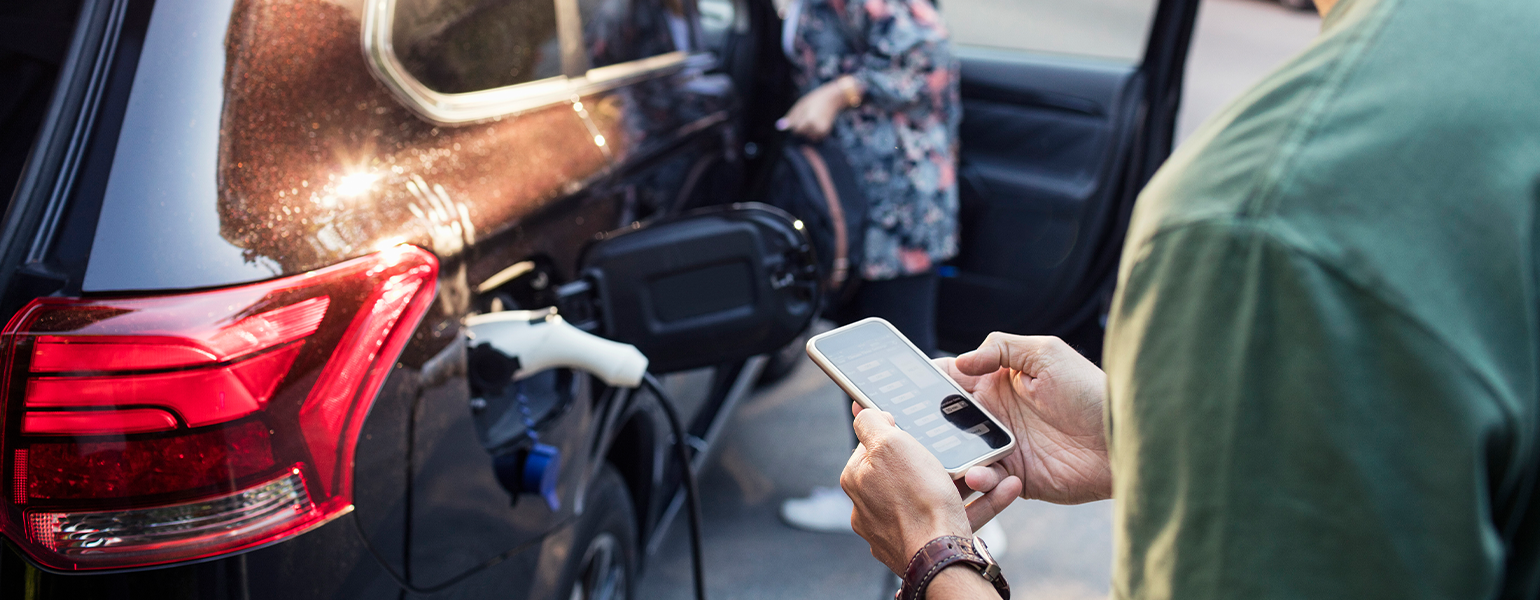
(991, 570)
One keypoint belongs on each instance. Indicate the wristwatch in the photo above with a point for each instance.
(943, 552)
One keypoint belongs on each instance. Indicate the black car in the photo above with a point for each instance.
(250, 242)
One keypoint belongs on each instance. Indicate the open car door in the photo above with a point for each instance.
(1068, 109)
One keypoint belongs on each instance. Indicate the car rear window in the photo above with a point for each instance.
(159, 226)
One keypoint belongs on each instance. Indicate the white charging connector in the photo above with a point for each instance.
(537, 340)
(541, 339)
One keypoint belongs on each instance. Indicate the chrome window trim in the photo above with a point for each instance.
(470, 107)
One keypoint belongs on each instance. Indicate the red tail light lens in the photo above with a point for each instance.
(149, 430)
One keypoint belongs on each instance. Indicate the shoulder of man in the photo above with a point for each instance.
(1401, 149)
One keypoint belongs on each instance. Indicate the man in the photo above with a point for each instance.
(1324, 354)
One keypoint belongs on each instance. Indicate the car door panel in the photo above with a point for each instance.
(1046, 117)
(1040, 141)
(1053, 150)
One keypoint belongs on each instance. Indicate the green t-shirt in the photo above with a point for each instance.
(1324, 354)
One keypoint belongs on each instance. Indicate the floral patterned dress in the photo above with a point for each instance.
(902, 139)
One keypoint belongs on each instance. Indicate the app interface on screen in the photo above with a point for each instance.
(898, 380)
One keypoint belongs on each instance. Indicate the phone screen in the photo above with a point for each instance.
(901, 381)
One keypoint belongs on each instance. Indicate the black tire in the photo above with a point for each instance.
(1298, 4)
(782, 362)
(604, 551)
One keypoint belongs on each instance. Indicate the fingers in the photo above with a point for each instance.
(992, 355)
(948, 365)
(985, 478)
(899, 491)
(980, 479)
(806, 118)
(994, 501)
(873, 425)
(796, 121)
(1001, 350)
(851, 463)
(856, 408)
(803, 127)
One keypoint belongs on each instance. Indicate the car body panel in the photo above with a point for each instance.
(217, 184)
(226, 142)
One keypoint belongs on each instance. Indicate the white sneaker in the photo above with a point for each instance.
(826, 510)
(994, 538)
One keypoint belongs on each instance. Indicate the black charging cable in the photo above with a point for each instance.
(691, 491)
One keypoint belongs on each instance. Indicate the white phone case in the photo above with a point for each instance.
(850, 388)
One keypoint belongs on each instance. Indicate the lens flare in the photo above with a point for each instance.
(355, 184)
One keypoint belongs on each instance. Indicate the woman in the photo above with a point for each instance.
(880, 77)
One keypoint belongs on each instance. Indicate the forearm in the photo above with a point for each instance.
(813, 115)
(960, 582)
(840, 94)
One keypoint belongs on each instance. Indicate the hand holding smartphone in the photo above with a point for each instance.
(881, 369)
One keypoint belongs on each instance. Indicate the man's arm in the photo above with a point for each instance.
(1280, 431)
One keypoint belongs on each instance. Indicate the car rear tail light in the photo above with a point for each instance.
(149, 430)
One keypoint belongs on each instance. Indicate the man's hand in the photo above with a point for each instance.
(813, 115)
(1051, 397)
(903, 496)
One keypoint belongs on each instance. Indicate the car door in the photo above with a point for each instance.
(1068, 109)
(622, 126)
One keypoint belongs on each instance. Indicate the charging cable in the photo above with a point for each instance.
(540, 340)
(692, 501)
(691, 491)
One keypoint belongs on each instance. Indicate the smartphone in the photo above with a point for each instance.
(882, 369)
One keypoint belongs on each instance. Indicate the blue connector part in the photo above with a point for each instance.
(540, 470)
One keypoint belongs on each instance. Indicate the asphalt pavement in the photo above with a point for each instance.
(793, 435)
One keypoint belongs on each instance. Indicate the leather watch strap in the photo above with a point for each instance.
(941, 553)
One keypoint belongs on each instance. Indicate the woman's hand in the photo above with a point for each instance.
(813, 115)
(903, 496)
(1051, 397)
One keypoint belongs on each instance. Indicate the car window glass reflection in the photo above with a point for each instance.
(617, 31)
(457, 46)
